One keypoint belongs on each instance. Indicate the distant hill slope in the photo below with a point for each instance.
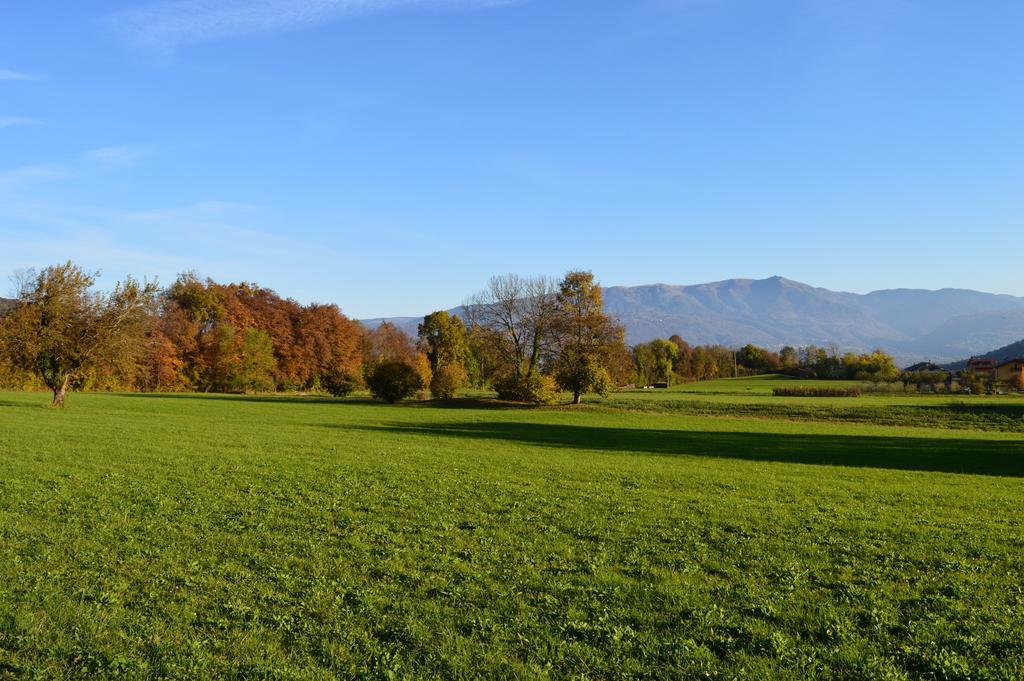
(6, 304)
(942, 326)
(1011, 351)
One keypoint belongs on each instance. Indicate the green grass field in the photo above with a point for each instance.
(704, 532)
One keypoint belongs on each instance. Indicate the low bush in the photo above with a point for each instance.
(805, 391)
(339, 383)
(534, 389)
(394, 381)
(447, 380)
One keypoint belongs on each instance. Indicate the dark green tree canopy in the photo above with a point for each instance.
(394, 381)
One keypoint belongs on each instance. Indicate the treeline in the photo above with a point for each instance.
(207, 336)
(674, 360)
(194, 335)
(528, 339)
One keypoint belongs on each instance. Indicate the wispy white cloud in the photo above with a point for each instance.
(122, 156)
(17, 121)
(221, 239)
(38, 226)
(17, 75)
(17, 177)
(169, 24)
(105, 158)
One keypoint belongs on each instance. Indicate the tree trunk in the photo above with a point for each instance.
(59, 392)
(576, 397)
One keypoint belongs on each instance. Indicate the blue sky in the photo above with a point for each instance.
(390, 155)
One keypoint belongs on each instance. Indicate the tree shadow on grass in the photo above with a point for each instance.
(255, 399)
(1014, 411)
(945, 455)
(27, 405)
(458, 403)
(490, 403)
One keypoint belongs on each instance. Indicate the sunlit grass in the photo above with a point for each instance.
(278, 537)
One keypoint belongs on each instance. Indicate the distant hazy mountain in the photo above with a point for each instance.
(6, 304)
(913, 325)
(1011, 351)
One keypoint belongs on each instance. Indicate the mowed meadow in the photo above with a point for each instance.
(710, 531)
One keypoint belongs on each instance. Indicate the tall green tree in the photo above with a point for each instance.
(586, 336)
(657, 359)
(256, 362)
(444, 341)
(61, 329)
(682, 365)
(443, 338)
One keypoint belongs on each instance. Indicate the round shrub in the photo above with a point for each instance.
(534, 389)
(447, 380)
(394, 381)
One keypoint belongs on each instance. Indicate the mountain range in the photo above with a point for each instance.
(946, 325)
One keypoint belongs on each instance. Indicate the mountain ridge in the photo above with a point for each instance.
(941, 325)
(1003, 354)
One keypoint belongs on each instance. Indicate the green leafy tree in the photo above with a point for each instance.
(788, 358)
(583, 375)
(664, 353)
(222, 358)
(682, 366)
(62, 331)
(442, 337)
(655, 360)
(256, 362)
(444, 342)
(487, 359)
(585, 334)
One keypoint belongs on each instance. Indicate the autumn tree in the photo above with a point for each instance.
(388, 344)
(519, 314)
(585, 336)
(159, 366)
(328, 349)
(310, 346)
(61, 329)
(620, 365)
